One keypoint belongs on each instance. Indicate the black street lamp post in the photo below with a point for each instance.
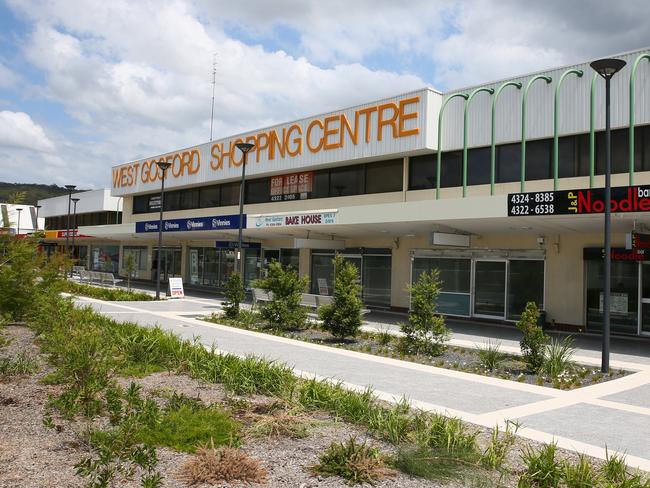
(19, 210)
(163, 165)
(70, 188)
(244, 147)
(607, 68)
(37, 207)
(74, 225)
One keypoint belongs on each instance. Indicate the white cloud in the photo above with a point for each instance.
(7, 77)
(18, 130)
(135, 76)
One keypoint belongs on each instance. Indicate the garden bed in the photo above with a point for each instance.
(102, 293)
(508, 366)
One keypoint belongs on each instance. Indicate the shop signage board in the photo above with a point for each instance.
(235, 245)
(390, 126)
(617, 254)
(578, 202)
(221, 222)
(293, 219)
(618, 303)
(636, 240)
(176, 288)
(296, 186)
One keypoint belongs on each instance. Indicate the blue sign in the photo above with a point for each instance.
(235, 245)
(221, 222)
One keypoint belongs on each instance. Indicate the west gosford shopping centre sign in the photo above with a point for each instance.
(392, 126)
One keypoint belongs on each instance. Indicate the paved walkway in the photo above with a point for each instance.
(615, 414)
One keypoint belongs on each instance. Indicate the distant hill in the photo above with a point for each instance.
(34, 191)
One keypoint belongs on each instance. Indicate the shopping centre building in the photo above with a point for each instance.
(508, 210)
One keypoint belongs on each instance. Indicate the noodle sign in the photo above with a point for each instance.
(574, 202)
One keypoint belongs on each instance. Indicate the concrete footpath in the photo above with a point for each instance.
(615, 414)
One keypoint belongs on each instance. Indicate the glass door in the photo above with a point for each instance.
(490, 289)
(644, 320)
(170, 264)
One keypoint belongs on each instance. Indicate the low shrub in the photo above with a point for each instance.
(448, 434)
(533, 341)
(434, 465)
(580, 475)
(355, 462)
(557, 357)
(107, 294)
(20, 364)
(490, 355)
(217, 465)
(283, 311)
(342, 317)
(542, 470)
(497, 450)
(425, 331)
(185, 427)
(235, 294)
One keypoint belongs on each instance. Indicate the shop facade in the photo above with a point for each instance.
(397, 188)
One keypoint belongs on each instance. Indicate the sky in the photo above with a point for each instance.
(88, 84)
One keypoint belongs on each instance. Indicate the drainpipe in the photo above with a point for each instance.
(556, 116)
(439, 155)
(467, 102)
(493, 149)
(524, 98)
(631, 135)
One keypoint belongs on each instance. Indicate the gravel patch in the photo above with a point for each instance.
(32, 455)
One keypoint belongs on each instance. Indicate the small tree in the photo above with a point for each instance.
(284, 310)
(343, 316)
(235, 294)
(425, 332)
(129, 267)
(534, 340)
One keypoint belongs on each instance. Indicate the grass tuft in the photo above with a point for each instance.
(217, 465)
(490, 355)
(20, 364)
(355, 462)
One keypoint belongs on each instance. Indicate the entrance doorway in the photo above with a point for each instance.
(644, 322)
(374, 266)
(170, 262)
(490, 289)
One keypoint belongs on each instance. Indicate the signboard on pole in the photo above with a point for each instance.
(176, 288)
(576, 202)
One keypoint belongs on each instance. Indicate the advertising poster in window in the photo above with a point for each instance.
(295, 186)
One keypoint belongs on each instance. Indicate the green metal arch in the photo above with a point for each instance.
(493, 151)
(631, 128)
(467, 102)
(524, 99)
(592, 129)
(439, 155)
(556, 115)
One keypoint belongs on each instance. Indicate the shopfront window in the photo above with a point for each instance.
(455, 278)
(525, 284)
(624, 296)
(105, 258)
(138, 255)
(290, 258)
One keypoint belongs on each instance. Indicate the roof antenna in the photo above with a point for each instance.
(214, 82)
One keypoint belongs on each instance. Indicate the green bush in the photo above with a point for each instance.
(108, 294)
(342, 318)
(490, 355)
(557, 357)
(235, 294)
(533, 341)
(25, 272)
(355, 462)
(284, 310)
(542, 469)
(425, 332)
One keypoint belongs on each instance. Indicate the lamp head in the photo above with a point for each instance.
(164, 165)
(75, 200)
(38, 206)
(19, 210)
(607, 67)
(70, 187)
(244, 146)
